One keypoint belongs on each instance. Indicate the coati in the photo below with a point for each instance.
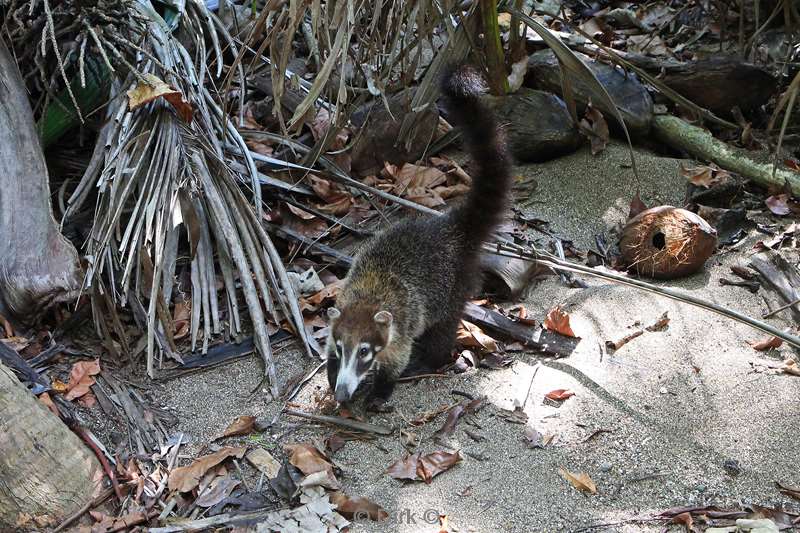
(402, 299)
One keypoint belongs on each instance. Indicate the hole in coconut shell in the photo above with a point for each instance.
(659, 240)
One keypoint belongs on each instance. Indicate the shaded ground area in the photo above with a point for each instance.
(672, 407)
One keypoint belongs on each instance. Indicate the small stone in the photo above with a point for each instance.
(732, 467)
(605, 466)
(662, 390)
(700, 487)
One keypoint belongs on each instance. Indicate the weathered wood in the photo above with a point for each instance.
(46, 473)
(38, 266)
(700, 144)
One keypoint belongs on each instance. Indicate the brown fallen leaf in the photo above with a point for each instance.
(637, 206)
(465, 407)
(418, 467)
(264, 462)
(596, 128)
(558, 321)
(471, 336)
(766, 344)
(790, 367)
(781, 204)
(308, 459)
(559, 395)
(684, 519)
(581, 481)
(305, 215)
(312, 302)
(357, 508)
(435, 463)
(48, 402)
(241, 425)
(186, 478)
(181, 318)
(219, 489)
(80, 378)
(88, 400)
(152, 88)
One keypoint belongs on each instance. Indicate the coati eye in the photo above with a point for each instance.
(363, 352)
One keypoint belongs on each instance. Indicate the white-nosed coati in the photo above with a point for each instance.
(403, 297)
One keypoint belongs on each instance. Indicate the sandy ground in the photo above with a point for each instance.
(673, 406)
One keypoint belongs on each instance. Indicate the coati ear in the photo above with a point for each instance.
(333, 313)
(383, 318)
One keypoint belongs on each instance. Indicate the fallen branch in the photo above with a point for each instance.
(343, 422)
(700, 144)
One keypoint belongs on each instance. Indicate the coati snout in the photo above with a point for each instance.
(353, 349)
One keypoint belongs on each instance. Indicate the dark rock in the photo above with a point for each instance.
(378, 137)
(630, 95)
(536, 124)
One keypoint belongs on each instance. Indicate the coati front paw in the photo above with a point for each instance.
(377, 404)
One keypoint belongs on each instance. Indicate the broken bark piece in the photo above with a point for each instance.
(635, 103)
(666, 242)
(537, 125)
(376, 142)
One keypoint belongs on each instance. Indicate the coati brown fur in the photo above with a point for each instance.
(403, 297)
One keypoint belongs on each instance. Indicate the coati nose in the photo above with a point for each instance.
(341, 394)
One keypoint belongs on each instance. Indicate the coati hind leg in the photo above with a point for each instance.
(433, 349)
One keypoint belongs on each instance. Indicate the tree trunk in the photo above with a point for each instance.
(46, 472)
(38, 266)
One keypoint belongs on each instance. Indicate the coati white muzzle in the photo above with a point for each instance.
(352, 351)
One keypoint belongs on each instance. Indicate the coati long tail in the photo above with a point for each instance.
(483, 208)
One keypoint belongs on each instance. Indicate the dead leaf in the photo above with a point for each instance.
(308, 459)
(581, 481)
(465, 407)
(558, 321)
(323, 478)
(596, 128)
(684, 519)
(559, 395)
(790, 367)
(705, 176)
(241, 425)
(418, 467)
(405, 468)
(312, 302)
(48, 402)
(181, 318)
(781, 204)
(766, 344)
(471, 336)
(219, 489)
(152, 88)
(305, 215)
(88, 400)
(636, 207)
(660, 324)
(186, 478)
(358, 507)
(517, 416)
(264, 461)
(334, 442)
(80, 378)
(7, 329)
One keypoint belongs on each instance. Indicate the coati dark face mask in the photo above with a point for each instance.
(352, 349)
